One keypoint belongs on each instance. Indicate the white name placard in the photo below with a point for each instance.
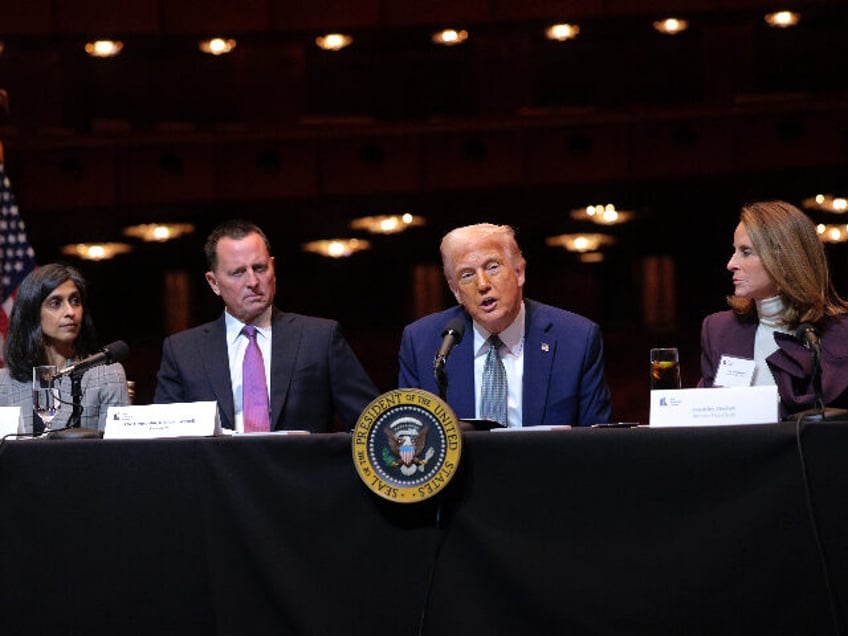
(714, 406)
(10, 420)
(149, 421)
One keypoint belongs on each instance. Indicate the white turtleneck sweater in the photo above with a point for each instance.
(769, 311)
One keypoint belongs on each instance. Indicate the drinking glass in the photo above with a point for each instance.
(665, 368)
(45, 393)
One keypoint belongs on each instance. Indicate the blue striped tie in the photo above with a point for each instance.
(493, 396)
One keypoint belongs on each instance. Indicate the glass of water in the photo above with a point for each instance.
(45, 393)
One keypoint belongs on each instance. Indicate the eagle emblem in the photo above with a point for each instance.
(407, 439)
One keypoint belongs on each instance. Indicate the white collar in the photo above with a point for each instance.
(234, 327)
(770, 311)
(512, 336)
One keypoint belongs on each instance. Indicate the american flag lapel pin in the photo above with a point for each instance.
(546, 347)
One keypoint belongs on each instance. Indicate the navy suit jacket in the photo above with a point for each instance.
(724, 333)
(315, 375)
(564, 378)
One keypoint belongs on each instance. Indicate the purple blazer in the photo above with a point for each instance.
(724, 333)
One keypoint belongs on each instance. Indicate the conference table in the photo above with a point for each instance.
(672, 530)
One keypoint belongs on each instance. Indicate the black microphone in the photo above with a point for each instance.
(808, 335)
(114, 352)
(451, 336)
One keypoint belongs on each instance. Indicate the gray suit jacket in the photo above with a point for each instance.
(315, 375)
(102, 386)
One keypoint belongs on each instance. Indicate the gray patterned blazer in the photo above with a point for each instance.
(102, 386)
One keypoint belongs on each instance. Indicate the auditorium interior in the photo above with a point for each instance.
(497, 121)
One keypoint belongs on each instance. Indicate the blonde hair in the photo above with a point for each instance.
(458, 238)
(793, 255)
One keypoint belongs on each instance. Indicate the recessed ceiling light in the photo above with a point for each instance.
(387, 224)
(104, 48)
(826, 203)
(336, 248)
(562, 32)
(158, 232)
(217, 46)
(96, 251)
(782, 19)
(580, 242)
(450, 37)
(333, 41)
(671, 26)
(832, 233)
(602, 214)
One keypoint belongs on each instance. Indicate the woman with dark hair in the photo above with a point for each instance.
(781, 281)
(50, 324)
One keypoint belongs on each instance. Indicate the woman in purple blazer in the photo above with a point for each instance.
(784, 312)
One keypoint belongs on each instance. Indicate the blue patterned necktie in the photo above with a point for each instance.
(493, 396)
(254, 386)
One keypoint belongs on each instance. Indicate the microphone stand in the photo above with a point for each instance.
(74, 429)
(441, 377)
(819, 413)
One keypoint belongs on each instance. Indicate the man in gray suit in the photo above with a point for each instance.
(313, 376)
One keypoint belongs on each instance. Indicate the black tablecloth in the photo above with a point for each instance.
(740, 529)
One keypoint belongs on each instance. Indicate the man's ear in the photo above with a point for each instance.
(213, 283)
(519, 273)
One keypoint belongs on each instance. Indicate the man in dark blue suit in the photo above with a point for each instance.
(553, 358)
(312, 375)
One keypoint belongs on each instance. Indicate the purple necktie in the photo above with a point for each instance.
(254, 387)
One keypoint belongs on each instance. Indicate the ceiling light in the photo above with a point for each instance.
(602, 214)
(450, 37)
(562, 32)
(580, 242)
(826, 203)
(387, 224)
(671, 26)
(336, 248)
(832, 233)
(96, 251)
(333, 41)
(104, 48)
(158, 232)
(217, 46)
(782, 19)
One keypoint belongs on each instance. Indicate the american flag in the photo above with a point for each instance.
(17, 257)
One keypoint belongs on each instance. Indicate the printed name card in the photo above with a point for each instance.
(150, 421)
(734, 372)
(10, 420)
(714, 406)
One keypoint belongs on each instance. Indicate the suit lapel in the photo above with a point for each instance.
(539, 352)
(213, 352)
(285, 342)
(460, 371)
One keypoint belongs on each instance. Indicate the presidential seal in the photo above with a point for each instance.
(406, 445)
